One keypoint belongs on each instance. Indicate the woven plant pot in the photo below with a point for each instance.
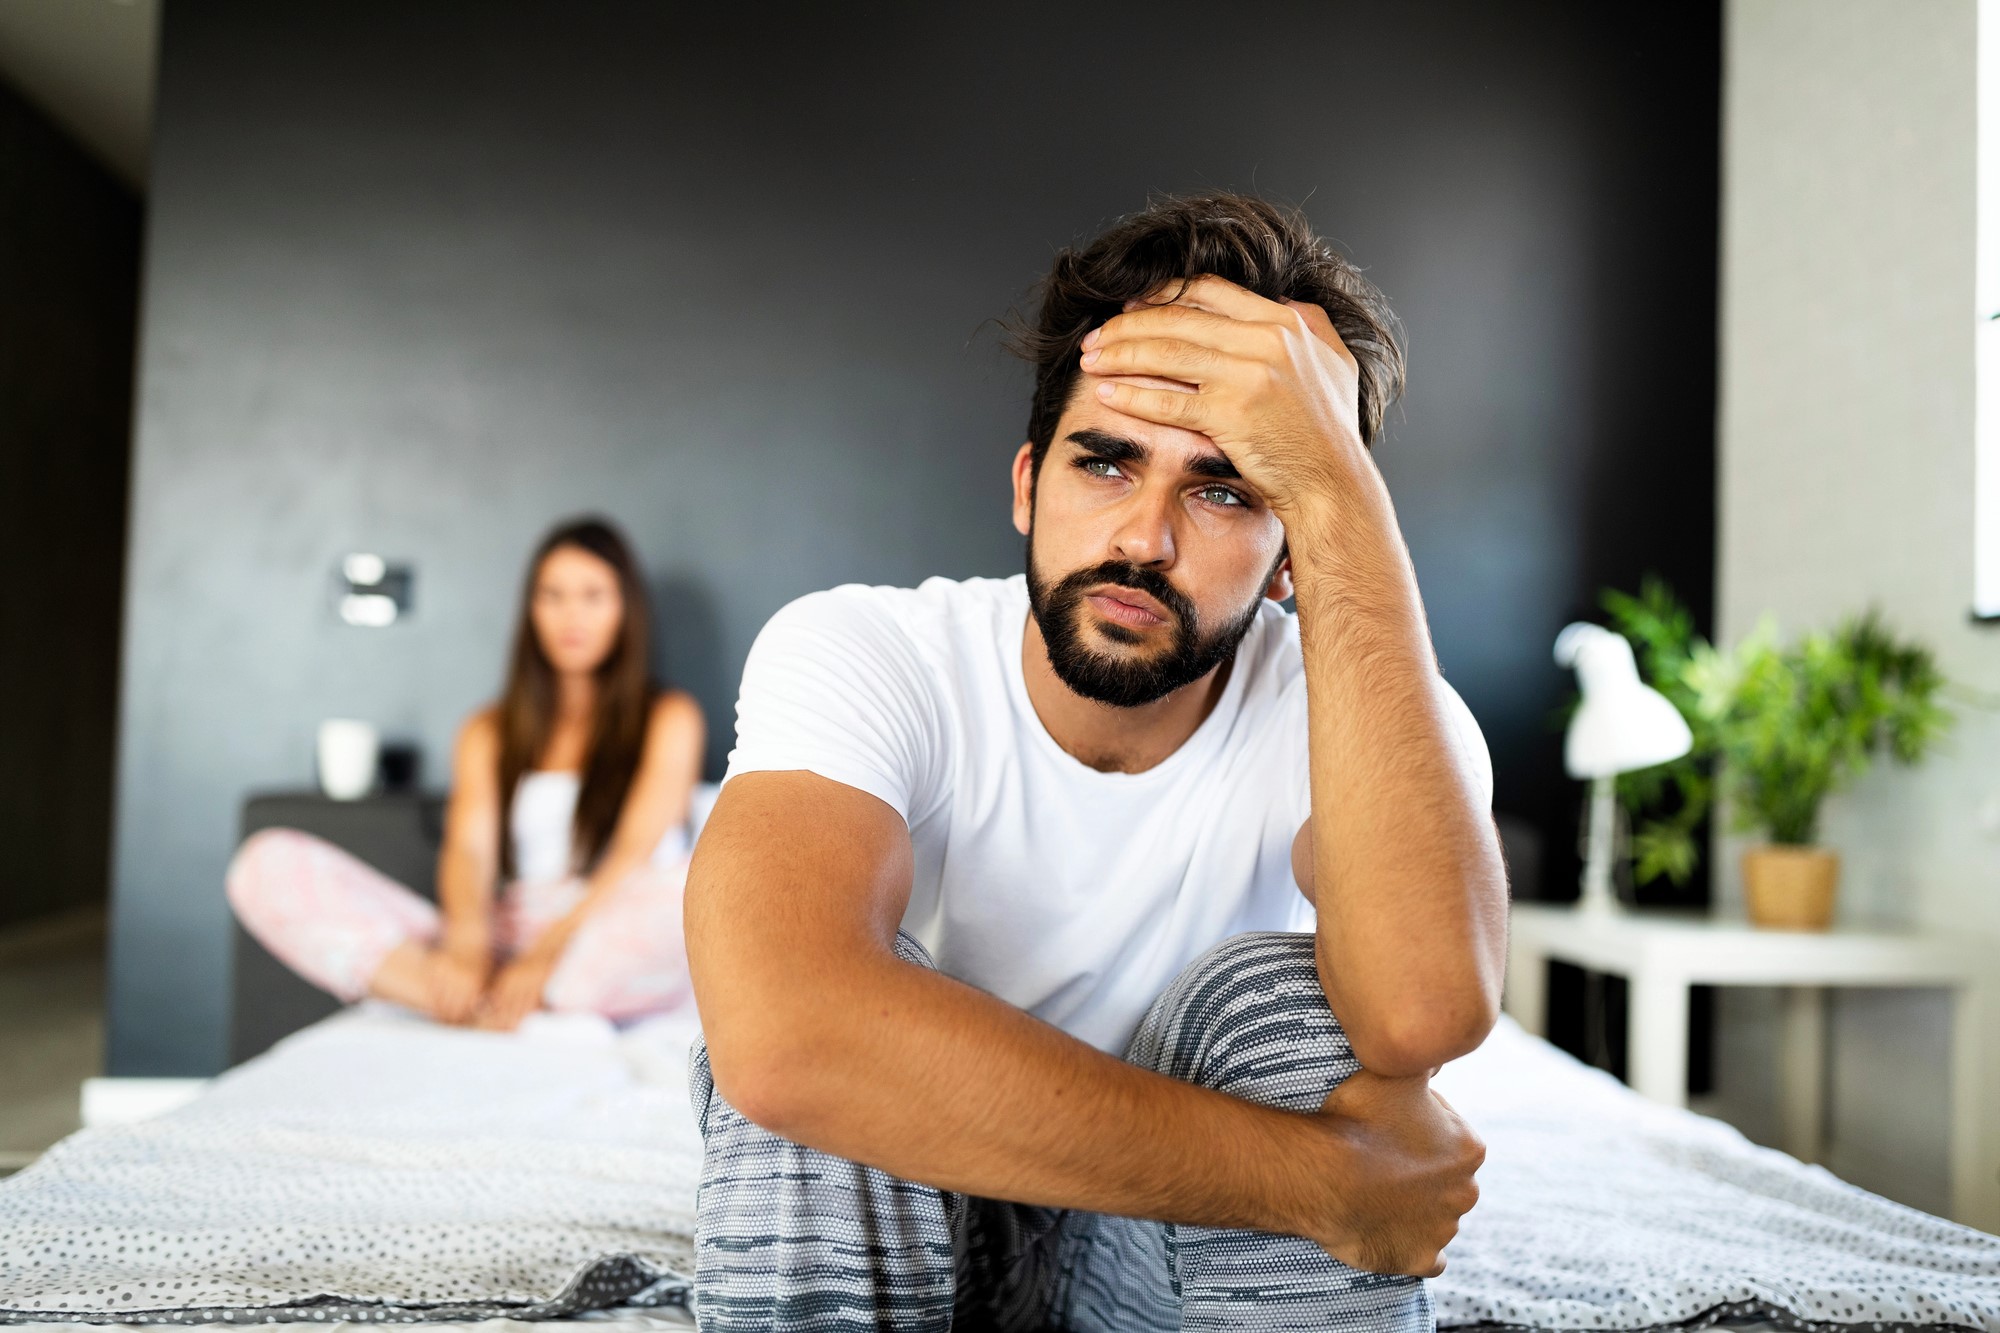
(1790, 888)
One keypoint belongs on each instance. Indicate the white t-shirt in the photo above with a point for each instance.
(1073, 894)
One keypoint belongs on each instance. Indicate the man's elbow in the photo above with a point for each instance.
(765, 1073)
(1433, 1035)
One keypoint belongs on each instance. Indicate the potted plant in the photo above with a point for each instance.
(1783, 727)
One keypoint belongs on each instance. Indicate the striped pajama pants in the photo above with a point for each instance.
(789, 1238)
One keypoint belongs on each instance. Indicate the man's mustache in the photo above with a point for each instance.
(1123, 574)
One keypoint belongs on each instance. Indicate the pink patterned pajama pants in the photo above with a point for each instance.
(332, 919)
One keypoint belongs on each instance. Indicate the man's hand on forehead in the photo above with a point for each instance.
(1269, 381)
(1171, 294)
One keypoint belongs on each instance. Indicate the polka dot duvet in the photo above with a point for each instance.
(375, 1167)
(1599, 1209)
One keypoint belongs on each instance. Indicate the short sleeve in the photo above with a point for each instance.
(835, 685)
(1472, 746)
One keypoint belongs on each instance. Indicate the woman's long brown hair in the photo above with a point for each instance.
(625, 693)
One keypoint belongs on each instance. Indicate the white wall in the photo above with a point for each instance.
(1845, 476)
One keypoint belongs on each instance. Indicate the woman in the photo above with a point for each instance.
(573, 791)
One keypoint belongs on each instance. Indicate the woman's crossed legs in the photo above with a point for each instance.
(352, 931)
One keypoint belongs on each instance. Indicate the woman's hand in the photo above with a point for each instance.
(516, 991)
(457, 980)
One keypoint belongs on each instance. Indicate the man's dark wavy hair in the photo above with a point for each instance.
(1270, 250)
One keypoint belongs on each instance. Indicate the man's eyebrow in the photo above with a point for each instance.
(1116, 448)
(1120, 449)
(1214, 465)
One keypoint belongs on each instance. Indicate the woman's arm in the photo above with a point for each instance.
(469, 860)
(661, 793)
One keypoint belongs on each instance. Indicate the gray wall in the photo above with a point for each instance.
(1847, 468)
(423, 277)
(69, 287)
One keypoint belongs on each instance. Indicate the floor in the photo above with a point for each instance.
(51, 1031)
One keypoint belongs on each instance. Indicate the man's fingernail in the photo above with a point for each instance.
(1104, 389)
(1090, 358)
(1090, 339)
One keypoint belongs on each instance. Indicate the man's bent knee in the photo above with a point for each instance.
(1250, 1018)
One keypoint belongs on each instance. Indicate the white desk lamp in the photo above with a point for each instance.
(1622, 724)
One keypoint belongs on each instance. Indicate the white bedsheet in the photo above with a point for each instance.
(378, 1167)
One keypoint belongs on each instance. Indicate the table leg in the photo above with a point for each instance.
(1525, 994)
(1975, 1134)
(1802, 1074)
(1656, 1035)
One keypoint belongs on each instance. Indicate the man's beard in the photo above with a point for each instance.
(1126, 683)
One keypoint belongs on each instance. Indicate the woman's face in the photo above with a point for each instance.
(576, 609)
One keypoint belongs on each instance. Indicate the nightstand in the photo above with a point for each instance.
(1661, 954)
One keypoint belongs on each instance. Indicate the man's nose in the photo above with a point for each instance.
(1145, 533)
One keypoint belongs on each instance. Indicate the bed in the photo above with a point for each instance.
(376, 1168)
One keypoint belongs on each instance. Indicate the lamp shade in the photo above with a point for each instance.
(1622, 723)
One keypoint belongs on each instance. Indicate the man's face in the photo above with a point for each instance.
(1147, 555)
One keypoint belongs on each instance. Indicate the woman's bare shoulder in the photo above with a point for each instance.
(481, 731)
(672, 700)
(674, 710)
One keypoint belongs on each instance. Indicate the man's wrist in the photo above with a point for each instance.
(1362, 607)
(1302, 1173)
(1341, 528)
(1328, 497)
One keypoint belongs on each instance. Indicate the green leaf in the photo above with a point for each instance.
(1777, 728)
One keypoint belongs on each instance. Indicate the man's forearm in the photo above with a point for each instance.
(935, 1081)
(1407, 877)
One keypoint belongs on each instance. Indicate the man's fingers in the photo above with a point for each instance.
(1226, 304)
(1163, 358)
(1216, 295)
(1186, 324)
(1152, 382)
(1186, 410)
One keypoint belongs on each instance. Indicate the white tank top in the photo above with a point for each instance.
(542, 816)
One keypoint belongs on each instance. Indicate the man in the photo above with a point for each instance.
(980, 839)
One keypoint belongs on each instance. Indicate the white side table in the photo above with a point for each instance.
(1661, 954)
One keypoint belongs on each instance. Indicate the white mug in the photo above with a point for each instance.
(349, 752)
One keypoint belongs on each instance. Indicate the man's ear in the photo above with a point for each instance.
(1280, 586)
(1024, 487)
